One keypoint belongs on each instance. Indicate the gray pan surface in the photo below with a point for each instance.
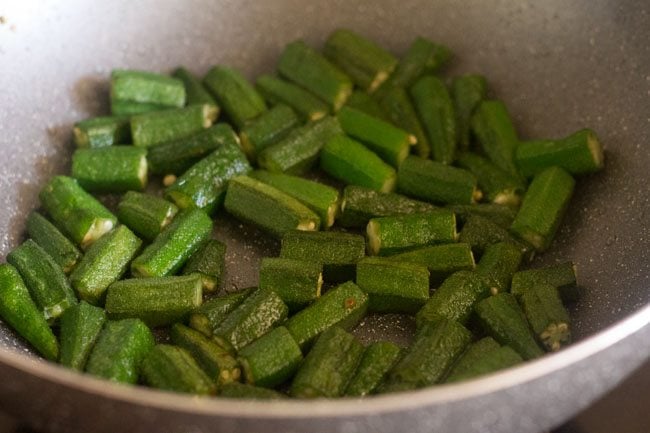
(559, 66)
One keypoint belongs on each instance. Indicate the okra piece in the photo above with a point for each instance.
(547, 316)
(359, 205)
(493, 128)
(270, 360)
(498, 186)
(366, 103)
(194, 91)
(177, 156)
(481, 232)
(101, 132)
(267, 129)
(260, 312)
(130, 108)
(543, 207)
(297, 282)
(562, 276)
(320, 198)
(157, 301)
(249, 392)
(423, 57)
(399, 109)
(210, 314)
(467, 92)
(55, 244)
(309, 69)
(351, 162)
(436, 112)
(454, 299)
(501, 215)
(393, 287)
(389, 142)
(298, 152)
(172, 368)
(267, 207)
(119, 351)
(157, 127)
(343, 306)
(338, 252)
(110, 169)
(238, 98)
(209, 262)
(579, 153)
(498, 264)
(390, 235)
(474, 354)
(501, 317)
(81, 325)
(329, 366)
(78, 214)
(145, 214)
(494, 360)
(378, 358)
(441, 260)
(146, 88)
(436, 182)
(278, 91)
(431, 355)
(365, 62)
(18, 310)
(44, 278)
(175, 244)
(219, 365)
(204, 185)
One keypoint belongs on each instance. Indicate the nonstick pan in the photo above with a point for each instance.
(558, 65)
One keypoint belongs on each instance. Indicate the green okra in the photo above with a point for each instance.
(365, 62)
(579, 153)
(338, 252)
(78, 214)
(157, 127)
(309, 69)
(81, 325)
(399, 109)
(351, 162)
(423, 57)
(146, 88)
(501, 215)
(55, 244)
(119, 350)
(221, 367)
(270, 360)
(543, 207)
(473, 355)
(467, 92)
(172, 368)
(378, 358)
(498, 186)
(102, 131)
(343, 306)
(130, 108)
(145, 214)
(297, 282)
(278, 91)
(238, 98)
(390, 235)
(547, 316)
(269, 208)
(436, 112)
(322, 199)
(563, 276)
(498, 264)
(436, 182)
(365, 103)
(18, 310)
(110, 169)
(494, 360)
(267, 129)
(441, 260)
(299, 150)
(210, 314)
(249, 392)
(44, 278)
(360, 204)
(209, 261)
(481, 232)
(501, 317)
(104, 263)
(392, 286)
(157, 301)
(389, 142)
(454, 299)
(260, 312)
(175, 244)
(329, 366)
(195, 92)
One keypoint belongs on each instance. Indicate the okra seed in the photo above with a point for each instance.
(169, 180)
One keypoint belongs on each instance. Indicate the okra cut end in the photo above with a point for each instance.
(374, 240)
(99, 228)
(596, 149)
(555, 336)
(210, 114)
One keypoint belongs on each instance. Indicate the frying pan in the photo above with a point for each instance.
(558, 65)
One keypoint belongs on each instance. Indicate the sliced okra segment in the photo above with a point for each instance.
(102, 131)
(494, 360)
(471, 356)
(172, 368)
(501, 215)
(547, 316)
(209, 261)
(297, 282)
(210, 314)
(498, 186)
(399, 109)
(110, 169)
(195, 92)
(249, 392)
(45, 234)
(481, 232)
(498, 264)
(267, 129)
(423, 57)
(81, 325)
(278, 91)
(378, 358)
(467, 92)
(366, 103)
(130, 108)
(441, 260)
(146, 88)
(157, 127)
(563, 276)
(145, 214)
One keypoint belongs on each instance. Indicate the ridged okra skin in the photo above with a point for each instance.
(243, 391)
(111, 169)
(210, 314)
(378, 358)
(498, 264)
(481, 232)
(498, 186)
(467, 92)
(441, 260)
(278, 91)
(366, 103)
(423, 57)
(563, 276)
(143, 87)
(209, 261)
(267, 129)
(102, 131)
(473, 354)
(156, 127)
(195, 92)
(297, 282)
(146, 215)
(491, 361)
(60, 248)
(500, 215)
(547, 316)
(81, 325)
(172, 368)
